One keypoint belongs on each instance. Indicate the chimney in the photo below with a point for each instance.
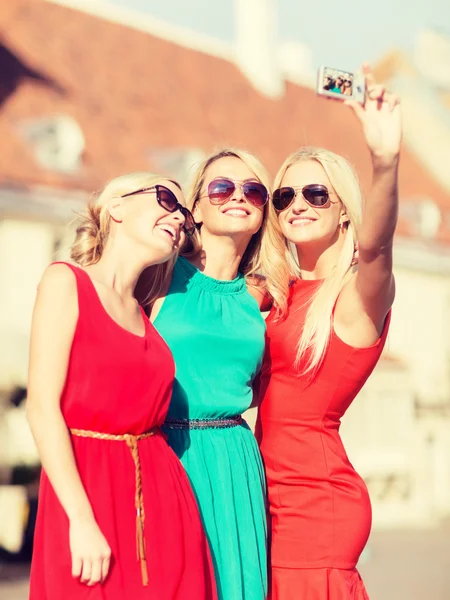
(296, 63)
(432, 56)
(256, 45)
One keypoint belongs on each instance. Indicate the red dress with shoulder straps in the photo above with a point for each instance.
(120, 383)
(320, 508)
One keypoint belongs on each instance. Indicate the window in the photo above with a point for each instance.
(58, 142)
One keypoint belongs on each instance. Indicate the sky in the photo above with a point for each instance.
(340, 33)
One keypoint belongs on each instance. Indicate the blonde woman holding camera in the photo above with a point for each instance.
(324, 339)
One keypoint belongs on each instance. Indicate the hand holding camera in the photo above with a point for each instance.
(377, 109)
(380, 117)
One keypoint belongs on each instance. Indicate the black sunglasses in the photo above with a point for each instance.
(315, 194)
(167, 200)
(220, 191)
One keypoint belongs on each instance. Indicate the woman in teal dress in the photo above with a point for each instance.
(215, 331)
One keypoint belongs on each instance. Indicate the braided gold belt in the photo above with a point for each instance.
(132, 443)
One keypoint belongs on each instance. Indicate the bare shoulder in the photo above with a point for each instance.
(256, 286)
(257, 282)
(58, 277)
(58, 286)
(53, 327)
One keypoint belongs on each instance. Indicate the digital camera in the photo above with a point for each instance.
(341, 85)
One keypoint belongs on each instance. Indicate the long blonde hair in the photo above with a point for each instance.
(315, 333)
(263, 258)
(94, 228)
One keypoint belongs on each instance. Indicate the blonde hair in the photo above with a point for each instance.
(263, 257)
(94, 228)
(316, 331)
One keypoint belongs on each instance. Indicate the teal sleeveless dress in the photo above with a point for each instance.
(216, 334)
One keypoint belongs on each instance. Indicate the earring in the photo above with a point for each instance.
(343, 224)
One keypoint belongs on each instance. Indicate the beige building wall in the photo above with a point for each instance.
(397, 432)
(26, 248)
(420, 332)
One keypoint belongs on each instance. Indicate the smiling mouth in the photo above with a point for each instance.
(301, 221)
(170, 230)
(236, 212)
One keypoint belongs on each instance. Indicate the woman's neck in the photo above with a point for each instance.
(119, 269)
(317, 261)
(220, 256)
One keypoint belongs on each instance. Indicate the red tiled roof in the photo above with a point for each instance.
(132, 92)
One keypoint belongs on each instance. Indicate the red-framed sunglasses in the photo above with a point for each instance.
(314, 194)
(167, 200)
(221, 189)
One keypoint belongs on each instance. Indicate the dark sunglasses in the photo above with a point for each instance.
(315, 194)
(220, 190)
(167, 200)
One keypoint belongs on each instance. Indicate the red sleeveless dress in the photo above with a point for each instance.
(120, 383)
(320, 508)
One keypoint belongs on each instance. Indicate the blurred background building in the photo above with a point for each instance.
(90, 90)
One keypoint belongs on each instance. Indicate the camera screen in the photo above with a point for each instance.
(337, 82)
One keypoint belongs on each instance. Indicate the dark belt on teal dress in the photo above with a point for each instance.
(203, 423)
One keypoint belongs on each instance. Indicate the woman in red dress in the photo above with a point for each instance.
(117, 518)
(325, 334)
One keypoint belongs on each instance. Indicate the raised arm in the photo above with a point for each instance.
(371, 292)
(54, 321)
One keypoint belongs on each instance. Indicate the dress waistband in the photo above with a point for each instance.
(203, 423)
(132, 443)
